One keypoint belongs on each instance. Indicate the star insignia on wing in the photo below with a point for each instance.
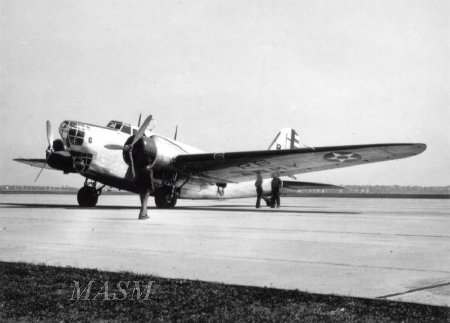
(341, 156)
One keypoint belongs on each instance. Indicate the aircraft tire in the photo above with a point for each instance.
(87, 196)
(268, 200)
(163, 198)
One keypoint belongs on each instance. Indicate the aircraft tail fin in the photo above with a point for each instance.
(287, 138)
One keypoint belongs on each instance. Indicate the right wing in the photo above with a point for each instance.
(235, 167)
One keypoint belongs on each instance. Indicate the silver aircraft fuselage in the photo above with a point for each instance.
(91, 159)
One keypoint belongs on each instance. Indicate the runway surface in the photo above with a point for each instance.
(396, 249)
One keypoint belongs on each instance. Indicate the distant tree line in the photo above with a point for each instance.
(15, 188)
(384, 189)
(360, 189)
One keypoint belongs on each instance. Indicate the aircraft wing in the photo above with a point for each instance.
(35, 162)
(234, 167)
(59, 160)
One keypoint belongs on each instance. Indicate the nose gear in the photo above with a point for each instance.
(87, 196)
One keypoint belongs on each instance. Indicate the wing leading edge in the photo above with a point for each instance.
(233, 167)
(35, 162)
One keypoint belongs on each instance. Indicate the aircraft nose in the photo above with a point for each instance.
(73, 133)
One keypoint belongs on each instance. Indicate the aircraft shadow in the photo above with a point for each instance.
(67, 206)
(254, 210)
(215, 208)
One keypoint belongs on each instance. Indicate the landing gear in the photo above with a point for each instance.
(268, 200)
(88, 195)
(165, 197)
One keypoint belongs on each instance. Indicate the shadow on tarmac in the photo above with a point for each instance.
(67, 206)
(221, 208)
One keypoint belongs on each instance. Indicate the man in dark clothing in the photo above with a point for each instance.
(276, 185)
(259, 189)
(144, 183)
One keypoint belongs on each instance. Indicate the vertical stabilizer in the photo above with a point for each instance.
(287, 138)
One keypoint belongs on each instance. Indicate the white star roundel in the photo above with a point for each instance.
(341, 156)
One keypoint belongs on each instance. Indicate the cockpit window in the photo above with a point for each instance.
(126, 129)
(118, 125)
(115, 125)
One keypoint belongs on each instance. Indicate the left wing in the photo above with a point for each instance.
(58, 160)
(234, 167)
(35, 162)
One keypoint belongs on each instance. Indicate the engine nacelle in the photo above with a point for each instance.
(144, 152)
(58, 145)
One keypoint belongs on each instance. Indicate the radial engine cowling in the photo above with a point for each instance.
(58, 145)
(58, 157)
(143, 152)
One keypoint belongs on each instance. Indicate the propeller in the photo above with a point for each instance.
(129, 148)
(141, 131)
(139, 121)
(50, 147)
(138, 157)
(49, 135)
(139, 135)
(176, 132)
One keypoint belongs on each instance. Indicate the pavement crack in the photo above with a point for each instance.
(415, 290)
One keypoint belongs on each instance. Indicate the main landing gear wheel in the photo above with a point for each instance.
(87, 196)
(164, 198)
(268, 200)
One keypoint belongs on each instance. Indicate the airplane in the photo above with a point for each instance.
(112, 156)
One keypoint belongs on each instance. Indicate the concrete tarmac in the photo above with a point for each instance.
(396, 249)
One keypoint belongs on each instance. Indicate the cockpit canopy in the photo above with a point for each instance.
(123, 127)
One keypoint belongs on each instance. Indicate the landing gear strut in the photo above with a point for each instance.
(88, 195)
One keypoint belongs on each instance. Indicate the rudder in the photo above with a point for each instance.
(287, 138)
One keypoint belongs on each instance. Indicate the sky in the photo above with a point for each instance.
(230, 74)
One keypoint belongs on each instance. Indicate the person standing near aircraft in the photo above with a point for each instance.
(259, 189)
(144, 183)
(276, 186)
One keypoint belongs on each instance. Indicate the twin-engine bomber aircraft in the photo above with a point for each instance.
(112, 155)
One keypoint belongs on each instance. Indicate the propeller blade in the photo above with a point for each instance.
(45, 164)
(114, 147)
(176, 132)
(132, 162)
(141, 130)
(49, 135)
(139, 121)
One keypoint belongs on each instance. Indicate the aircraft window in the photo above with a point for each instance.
(126, 129)
(76, 134)
(114, 125)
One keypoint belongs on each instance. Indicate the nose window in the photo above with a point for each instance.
(73, 132)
